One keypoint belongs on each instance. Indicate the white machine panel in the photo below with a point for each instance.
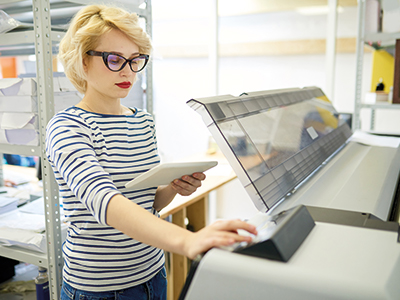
(290, 151)
(334, 262)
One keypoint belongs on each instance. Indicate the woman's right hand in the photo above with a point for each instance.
(220, 233)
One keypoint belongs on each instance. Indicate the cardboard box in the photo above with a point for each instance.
(372, 98)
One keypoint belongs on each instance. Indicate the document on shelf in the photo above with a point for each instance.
(8, 204)
(20, 238)
(20, 220)
(375, 140)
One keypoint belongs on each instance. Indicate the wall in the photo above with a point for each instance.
(182, 70)
(250, 61)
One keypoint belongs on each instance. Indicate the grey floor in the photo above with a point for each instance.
(23, 273)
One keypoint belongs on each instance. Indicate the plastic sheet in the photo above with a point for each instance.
(7, 23)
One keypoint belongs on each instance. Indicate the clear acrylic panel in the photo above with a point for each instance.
(275, 139)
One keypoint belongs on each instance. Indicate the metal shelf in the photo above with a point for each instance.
(381, 106)
(31, 257)
(22, 42)
(23, 38)
(61, 11)
(42, 41)
(384, 39)
(20, 149)
(10, 1)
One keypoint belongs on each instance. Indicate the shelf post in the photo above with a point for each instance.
(149, 67)
(213, 55)
(372, 123)
(331, 49)
(359, 63)
(45, 100)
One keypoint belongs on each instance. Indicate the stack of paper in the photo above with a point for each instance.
(18, 128)
(18, 107)
(18, 120)
(8, 204)
(25, 227)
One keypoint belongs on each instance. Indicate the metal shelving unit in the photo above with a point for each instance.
(42, 41)
(385, 39)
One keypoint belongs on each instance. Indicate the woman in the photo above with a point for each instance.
(114, 241)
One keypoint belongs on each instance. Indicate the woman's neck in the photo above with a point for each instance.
(111, 107)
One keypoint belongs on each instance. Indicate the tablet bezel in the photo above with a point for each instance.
(165, 173)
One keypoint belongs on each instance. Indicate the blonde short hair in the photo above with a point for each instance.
(85, 31)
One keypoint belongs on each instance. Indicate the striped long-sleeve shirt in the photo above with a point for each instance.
(93, 156)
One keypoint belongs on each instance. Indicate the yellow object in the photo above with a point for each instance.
(382, 67)
(327, 117)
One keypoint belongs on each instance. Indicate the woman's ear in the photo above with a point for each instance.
(85, 63)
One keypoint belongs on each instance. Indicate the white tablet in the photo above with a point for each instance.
(164, 174)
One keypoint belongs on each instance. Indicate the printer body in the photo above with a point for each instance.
(328, 205)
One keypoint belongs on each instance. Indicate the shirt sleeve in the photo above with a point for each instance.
(69, 149)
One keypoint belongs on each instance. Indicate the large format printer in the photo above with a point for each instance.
(328, 221)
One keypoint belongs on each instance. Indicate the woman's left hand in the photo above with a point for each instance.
(188, 184)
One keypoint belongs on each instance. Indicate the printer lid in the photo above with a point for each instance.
(274, 139)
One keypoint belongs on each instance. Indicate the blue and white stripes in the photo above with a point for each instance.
(93, 156)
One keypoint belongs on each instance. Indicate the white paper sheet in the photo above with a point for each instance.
(18, 104)
(17, 87)
(21, 220)
(13, 83)
(23, 238)
(375, 140)
(34, 207)
(8, 204)
(10, 120)
(24, 136)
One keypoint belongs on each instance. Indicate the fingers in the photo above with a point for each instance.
(221, 240)
(188, 184)
(9, 183)
(234, 225)
(220, 233)
(199, 176)
(228, 238)
(226, 232)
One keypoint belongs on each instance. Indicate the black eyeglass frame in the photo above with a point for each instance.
(105, 55)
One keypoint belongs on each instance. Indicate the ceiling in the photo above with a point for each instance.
(234, 7)
(62, 10)
(184, 9)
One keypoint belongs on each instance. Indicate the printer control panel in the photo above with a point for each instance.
(279, 236)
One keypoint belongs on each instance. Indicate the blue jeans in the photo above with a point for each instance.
(154, 289)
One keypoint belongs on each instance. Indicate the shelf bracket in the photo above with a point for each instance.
(45, 99)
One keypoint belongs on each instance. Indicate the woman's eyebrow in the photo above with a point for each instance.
(119, 53)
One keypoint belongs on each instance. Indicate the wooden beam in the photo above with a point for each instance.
(179, 263)
(265, 48)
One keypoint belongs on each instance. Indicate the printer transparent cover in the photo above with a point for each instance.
(275, 139)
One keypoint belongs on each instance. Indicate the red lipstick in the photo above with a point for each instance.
(124, 85)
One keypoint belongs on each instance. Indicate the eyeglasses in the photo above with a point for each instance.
(116, 63)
